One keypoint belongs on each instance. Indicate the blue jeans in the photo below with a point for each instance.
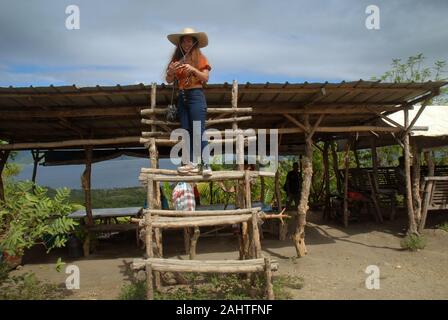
(193, 107)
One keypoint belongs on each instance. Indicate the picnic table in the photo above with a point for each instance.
(108, 222)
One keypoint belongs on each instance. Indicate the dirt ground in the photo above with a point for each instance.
(333, 269)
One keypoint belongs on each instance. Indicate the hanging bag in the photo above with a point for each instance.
(172, 114)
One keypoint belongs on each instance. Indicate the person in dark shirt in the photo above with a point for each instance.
(293, 185)
(400, 176)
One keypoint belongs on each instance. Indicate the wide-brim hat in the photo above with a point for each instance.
(200, 36)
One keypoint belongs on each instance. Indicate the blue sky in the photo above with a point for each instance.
(258, 41)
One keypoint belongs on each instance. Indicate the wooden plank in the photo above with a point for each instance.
(178, 213)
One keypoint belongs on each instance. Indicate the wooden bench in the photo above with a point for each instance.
(435, 196)
(259, 265)
(361, 181)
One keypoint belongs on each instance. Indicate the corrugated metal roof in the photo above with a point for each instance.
(55, 113)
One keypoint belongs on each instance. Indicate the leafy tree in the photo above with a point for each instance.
(415, 70)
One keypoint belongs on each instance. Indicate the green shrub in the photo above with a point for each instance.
(28, 216)
(216, 286)
(133, 291)
(443, 226)
(413, 242)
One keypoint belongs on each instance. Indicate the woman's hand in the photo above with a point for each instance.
(201, 75)
(189, 68)
(172, 68)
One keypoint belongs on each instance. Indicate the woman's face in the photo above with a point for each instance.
(187, 43)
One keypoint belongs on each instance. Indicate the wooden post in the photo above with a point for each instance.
(346, 173)
(417, 200)
(148, 220)
(86, 184)
(36, 158)
(239, 145)
(248, 195)
(283, 227)
(262, 189)
(355, 152)
(244, 246)
(4, 154)
(194, 241)
(299, 235)
(374, 160)
(412, 226)
(149, 282)
(337, 174)
(428, 190)
(326, 213)
(256, 236)
(268, 276)
(211, 191)
(187, 239)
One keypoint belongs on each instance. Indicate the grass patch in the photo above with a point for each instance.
(413, 242)
(216, 287)
(28, 287)
(443, 226)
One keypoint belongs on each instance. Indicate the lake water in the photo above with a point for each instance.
(105, 175)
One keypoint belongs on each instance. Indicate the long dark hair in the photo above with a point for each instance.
(195, 53)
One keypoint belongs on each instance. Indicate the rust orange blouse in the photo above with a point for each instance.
(188, 79)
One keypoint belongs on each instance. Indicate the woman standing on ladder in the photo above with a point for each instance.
(190, 68)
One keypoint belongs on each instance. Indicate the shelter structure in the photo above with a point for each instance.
(94, 119)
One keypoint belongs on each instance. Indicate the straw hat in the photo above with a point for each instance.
(200, 36)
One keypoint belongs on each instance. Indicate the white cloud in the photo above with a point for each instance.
(121, 41)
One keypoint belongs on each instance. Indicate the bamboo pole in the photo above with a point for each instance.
(428, 190)
(412, 226)
(299, 235)
(268, 277)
